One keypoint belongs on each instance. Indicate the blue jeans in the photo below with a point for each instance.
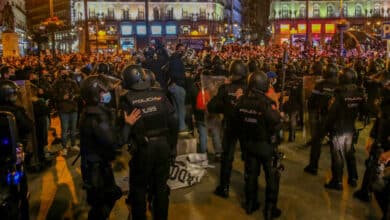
(68, 122)
(179, 93)
(202, 130)
(215, 135)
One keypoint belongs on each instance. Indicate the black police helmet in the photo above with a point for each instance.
(238, 70)
(318, 68)
(348, 76)
(134, 78)
(8, 91)
(91, 88)
(102, 68)
(207, 61)
(253, 65)
(258, 81)
(331, 71)
(217, 59)
(150, 76)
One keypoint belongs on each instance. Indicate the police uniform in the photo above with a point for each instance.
(99, 140)
(154, 144)
(380, 133)
(256, 119)
(24, 125)
(349, 101)
(224, 102)
(318, 105)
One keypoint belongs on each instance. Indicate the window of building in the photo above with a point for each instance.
(330, 28)
(202, 13)
(330, 11)
(316, 28)
(184, 14)
(377, 9)
(301, 28)
(285, 11)
(156, 13)
(358, 11)
(170, 14)
(110, 14)
(316, 10)
(126, 14)
(141, 14)
(302, 11)
(345, 10)
(91, 13)
(285, 28)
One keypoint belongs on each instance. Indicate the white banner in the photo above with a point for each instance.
(188, 170)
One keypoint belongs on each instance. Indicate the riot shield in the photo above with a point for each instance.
(26, 93)
(308, 86)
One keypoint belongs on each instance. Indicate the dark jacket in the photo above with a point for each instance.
(349, 101)
(62, 87)
(158, 116)
(99, 138)
(177, 70)
(225, 100)
(321, 95)
(257, 120)
(24, 123)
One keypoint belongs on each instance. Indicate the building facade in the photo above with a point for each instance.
(39, 10)
(120, 25)
(19, 10)
(290, 23)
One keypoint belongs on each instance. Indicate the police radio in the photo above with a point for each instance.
(13, 182)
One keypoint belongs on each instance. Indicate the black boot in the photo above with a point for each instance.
(311, 170)
(222, 191)
(251, 206)
(362, 196)
(334, 185)
(271, 212)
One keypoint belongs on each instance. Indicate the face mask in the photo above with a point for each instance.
(106, 98)
(78, 78)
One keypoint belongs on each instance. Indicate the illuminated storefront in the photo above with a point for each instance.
(168, 21)
(323, 17)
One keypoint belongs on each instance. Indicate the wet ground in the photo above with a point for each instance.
(56, 192)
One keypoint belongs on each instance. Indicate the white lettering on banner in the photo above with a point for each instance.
(182, 175)
(186, 172)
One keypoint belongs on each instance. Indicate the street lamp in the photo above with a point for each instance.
(52, 24)
(342, 26)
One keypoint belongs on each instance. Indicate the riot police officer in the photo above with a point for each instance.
(349, 101)
(24, 125)
(318, 104)
(379, 142)
(224, 102)
(259, 120)
(154, 144)
(99, 141)
(8, 98)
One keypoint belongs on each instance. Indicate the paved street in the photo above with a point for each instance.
(56, 192)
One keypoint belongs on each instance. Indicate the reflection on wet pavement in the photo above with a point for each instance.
(56, 193)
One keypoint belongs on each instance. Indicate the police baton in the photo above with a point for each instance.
(76, 159)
